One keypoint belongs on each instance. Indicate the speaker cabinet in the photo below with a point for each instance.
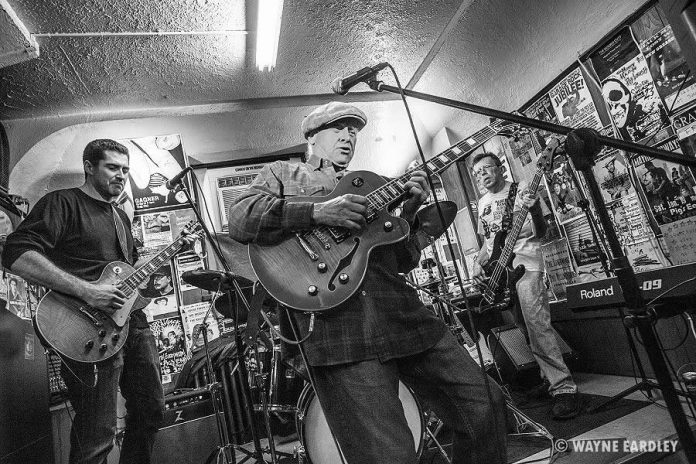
(509, 347)
(189, 433)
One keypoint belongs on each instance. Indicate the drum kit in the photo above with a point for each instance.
(277, 393)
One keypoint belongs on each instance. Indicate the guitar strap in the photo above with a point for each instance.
(506, 222)
(121, 234)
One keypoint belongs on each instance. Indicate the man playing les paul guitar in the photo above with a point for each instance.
(65, 244)
(533, 308)
(362, 347)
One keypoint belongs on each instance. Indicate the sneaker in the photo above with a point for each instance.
(565, 406)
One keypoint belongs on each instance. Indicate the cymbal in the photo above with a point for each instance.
(430, 224)
(214, 280)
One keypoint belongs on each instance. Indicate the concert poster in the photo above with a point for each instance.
(669, 188)
(572, 102)
(584, 250)
(563, 191)
(171, 345)
(629, 91)
(685, 126)
(156, 229)
(612, 176)
(153, 161)
(192, 316)
(668, 68)
(17, 301)
(644, 255)
(189, 293)
(161, 307)
(629, 220)
(559, 266)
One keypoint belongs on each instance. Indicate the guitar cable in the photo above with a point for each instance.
(460, 282)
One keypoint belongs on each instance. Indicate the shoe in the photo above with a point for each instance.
(565, 406)
(539, 392)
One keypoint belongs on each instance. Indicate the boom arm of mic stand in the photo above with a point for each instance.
(541, 125)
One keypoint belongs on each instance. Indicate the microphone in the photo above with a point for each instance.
(342, 86)
(176, 180)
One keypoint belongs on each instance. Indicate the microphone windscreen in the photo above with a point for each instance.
(337, 87)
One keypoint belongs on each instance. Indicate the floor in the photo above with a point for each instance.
(649, 423)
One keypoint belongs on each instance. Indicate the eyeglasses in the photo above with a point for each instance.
(489, 168)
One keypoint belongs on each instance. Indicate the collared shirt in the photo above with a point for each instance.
(384, 319)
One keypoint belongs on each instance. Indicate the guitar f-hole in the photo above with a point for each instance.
(344, 262)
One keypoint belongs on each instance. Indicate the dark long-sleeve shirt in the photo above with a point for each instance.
(384, 319)
(75, 232)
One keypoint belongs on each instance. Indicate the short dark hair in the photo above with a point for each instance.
(96, 150)
(486, 154)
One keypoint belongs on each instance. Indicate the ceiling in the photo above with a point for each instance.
(117, 59)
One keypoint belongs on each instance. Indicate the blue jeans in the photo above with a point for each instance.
(535, 321)
(361, 403)
(94, 424)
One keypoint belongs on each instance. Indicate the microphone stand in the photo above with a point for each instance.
(581, 146)
(242, 370)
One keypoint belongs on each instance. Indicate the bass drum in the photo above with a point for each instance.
(315, 435)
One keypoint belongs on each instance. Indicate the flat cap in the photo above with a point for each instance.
(331, 112)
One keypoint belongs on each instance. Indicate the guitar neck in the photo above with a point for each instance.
(518, 223)
(146, 270)
(394, 189)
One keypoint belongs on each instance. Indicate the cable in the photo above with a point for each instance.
(669, 290)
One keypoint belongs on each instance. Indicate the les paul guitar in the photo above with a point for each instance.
(84, 334)
(318, 269)
(499, 291)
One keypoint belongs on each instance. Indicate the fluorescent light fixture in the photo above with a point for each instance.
(267, 33)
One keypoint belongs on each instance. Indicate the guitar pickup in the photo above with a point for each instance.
(339, 234)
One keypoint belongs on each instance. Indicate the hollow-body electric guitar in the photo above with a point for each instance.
(500, 288)
(318, 269)
(84, 334)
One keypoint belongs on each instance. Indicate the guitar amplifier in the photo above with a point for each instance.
(189, 432)
(509, 345)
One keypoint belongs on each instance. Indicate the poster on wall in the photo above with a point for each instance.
(584, 250)
(685, 126)
(670, 189)
(680, 238)
(629, 220)
(628, 89)
(563, 191)
(644, 255)
(192, 316)
(160, 307)
(17, 296)
(668, 68)
(153, 161)
(171, 345)
(559, 266)
(572, 102)
(613, 177)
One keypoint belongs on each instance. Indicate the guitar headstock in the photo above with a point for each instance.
(192, 228)
(545, 161)
(504, 128)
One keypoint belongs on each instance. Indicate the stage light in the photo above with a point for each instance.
(268, 33)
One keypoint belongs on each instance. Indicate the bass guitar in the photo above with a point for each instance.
(82, 333)
(319, 269)
(499, 291)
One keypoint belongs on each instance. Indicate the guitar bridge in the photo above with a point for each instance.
(339, 234)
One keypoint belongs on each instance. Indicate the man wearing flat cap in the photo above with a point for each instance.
(360, 350)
